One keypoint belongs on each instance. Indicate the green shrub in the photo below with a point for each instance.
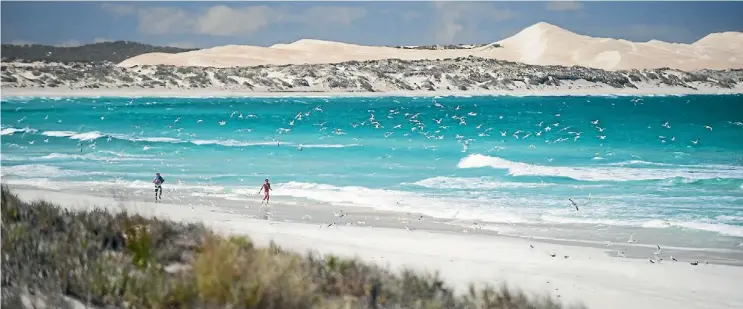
(128, 261)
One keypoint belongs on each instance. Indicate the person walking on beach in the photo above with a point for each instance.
(265, 188)
(158, 181)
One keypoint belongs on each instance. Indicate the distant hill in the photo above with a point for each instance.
(97, 52)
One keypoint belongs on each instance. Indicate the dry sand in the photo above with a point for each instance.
(539, 44)
(588, 275)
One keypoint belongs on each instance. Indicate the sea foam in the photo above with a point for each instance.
(598, 173)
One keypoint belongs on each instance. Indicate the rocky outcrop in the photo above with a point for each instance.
(461, 74)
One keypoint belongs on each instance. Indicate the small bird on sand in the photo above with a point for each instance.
(632, 238)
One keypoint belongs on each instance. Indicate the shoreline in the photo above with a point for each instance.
(573, 274)
(198, 93)
(611, 240)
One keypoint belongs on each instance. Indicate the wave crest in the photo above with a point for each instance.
(601, 173)
(95, 135)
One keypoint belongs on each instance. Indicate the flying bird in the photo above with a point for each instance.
(574, 204)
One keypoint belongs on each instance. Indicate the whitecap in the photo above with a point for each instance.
(37, 170)
(11, 130)
(598, 173)
(84, 136)
(474, 183)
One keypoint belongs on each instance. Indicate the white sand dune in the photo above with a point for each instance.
(589, 275)
(539, 44)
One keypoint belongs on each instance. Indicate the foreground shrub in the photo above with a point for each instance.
(108, 260)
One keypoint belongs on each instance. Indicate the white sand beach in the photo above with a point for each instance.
(574, 274)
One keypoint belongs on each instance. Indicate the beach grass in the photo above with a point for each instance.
(57, 258)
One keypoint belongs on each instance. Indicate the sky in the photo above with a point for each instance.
(206, 24)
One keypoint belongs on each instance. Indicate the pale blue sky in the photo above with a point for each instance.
(205, 24)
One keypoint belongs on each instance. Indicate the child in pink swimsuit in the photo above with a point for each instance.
(265, 188)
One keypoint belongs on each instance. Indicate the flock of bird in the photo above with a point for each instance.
(414, 124)
(441, 125)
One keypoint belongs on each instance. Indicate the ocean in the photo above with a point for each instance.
(666, 164)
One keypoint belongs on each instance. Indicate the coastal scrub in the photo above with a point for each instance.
(56, 258)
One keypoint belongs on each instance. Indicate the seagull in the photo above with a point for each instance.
(595, 122)
(221, 123)
(708, 127)
(339, 214)
(632, 238)
(574, 204)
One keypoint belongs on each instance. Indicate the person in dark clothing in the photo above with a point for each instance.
(158, 181)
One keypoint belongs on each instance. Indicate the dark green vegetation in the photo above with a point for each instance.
(98, 52)
(120, 260)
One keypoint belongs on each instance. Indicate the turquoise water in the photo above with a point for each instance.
(496, 159)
